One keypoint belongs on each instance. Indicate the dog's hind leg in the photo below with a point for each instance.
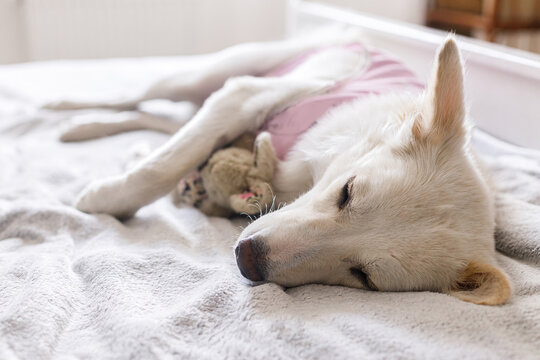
(207, 74)
(198, 81)
(240, 106)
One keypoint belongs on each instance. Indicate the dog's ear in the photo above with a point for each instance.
(481, 284)
(445, 113)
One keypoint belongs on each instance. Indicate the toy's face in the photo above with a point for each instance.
(239, 180)
(234, 180)
(226, 174)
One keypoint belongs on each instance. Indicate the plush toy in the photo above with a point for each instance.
(233, 180)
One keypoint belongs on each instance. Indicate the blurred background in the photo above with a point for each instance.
(68, 29)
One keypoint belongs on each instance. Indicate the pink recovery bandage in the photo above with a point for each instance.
(382, 74)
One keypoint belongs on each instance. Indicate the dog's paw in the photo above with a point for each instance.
(81, 132)
(90, 126)
(105, 196)
(98, 124)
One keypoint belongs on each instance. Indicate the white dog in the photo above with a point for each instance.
(383, 191)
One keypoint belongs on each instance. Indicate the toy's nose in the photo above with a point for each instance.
(250, 253)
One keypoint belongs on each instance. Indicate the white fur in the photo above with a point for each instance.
(413, 222)
(419, 208)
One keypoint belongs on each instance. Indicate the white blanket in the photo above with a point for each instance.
(164, 284)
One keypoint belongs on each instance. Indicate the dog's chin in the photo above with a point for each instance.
(251, 283)
(248, 282)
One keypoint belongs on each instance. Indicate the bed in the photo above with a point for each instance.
(164, 283)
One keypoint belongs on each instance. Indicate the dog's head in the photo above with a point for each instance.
(411, 212)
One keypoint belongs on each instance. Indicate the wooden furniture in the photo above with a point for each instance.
(484, 15)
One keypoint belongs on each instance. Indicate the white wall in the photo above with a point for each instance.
(52, 29)
(11, 32)
(412, 11)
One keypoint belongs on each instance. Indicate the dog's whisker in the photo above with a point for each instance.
(249, 216)
(259, 207)
(273, 196)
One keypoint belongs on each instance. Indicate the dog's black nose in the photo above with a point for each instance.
(250, 253)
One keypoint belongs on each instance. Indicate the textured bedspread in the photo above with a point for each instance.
(164, 284)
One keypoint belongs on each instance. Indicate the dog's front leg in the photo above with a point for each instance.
(240, 106)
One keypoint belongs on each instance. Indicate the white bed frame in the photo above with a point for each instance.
(502, 84)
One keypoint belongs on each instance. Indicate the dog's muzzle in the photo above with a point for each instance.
(250, 257)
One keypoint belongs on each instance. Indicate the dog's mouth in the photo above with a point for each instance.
(363, 277)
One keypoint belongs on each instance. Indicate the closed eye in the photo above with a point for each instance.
(345, 193)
